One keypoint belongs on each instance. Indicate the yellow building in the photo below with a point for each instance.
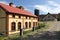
(14, 18)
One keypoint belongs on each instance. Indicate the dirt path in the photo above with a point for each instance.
(54, 26)
(52, 33)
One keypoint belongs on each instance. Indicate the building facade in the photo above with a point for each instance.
(48, 17)
(13, 19)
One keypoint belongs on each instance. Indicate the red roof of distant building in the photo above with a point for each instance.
(16, 10)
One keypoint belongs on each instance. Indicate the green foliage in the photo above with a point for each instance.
(2, 37)
(58, 17)
(27, 31)
(40, 25)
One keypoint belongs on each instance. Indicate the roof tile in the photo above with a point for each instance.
(16, 10)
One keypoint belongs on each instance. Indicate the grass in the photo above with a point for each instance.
(26, 34)
(3, 37)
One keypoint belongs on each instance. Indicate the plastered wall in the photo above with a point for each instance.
(22, 20)
(2, 20)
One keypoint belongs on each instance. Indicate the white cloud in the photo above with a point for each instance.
(27, 9)
(53, 3)
(43, 8)
(4, 2)
(51, 6)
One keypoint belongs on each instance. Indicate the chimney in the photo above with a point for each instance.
(36, 12)
(11, 4)
(20, 7)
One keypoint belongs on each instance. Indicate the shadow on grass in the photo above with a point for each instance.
(46, 35)
(55, 35)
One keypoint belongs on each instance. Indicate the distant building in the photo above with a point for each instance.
(48, 17)
(12, 19)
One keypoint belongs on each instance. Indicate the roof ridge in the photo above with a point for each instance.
(16, 10)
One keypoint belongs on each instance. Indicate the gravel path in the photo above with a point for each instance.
(54, 26)
(53, 33)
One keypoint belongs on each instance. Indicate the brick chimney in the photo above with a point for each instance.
(11, 4)
(20, 7)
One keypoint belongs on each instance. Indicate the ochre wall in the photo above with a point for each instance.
(2, 20)
(22, 20)
(16, 20)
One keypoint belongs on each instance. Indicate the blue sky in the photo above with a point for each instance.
(45, 6)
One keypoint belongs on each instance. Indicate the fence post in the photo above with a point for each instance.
(33, 29)
(21, 32)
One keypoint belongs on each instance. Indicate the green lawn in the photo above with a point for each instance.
(26, 34)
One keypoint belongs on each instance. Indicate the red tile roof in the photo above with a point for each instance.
(16, 10)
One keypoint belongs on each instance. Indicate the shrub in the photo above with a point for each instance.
(40, 25)
(24, 32)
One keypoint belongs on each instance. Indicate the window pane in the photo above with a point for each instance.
(29, 24)
(13, 26)
(19, 25)
(26, 25)
(13, 16)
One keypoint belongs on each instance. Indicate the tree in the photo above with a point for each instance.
(58, 17)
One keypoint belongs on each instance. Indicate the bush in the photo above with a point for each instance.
(24, 32)
(58, 17)
(40, 25)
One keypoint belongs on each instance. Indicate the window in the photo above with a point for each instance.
(13, 16)
(19, 25)
(33, 18)
(13, 26)
(26, 17)
(36, 24)
(19, 16)
(29, 17)
(26, 25)
(33, 24)
(29, 24)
